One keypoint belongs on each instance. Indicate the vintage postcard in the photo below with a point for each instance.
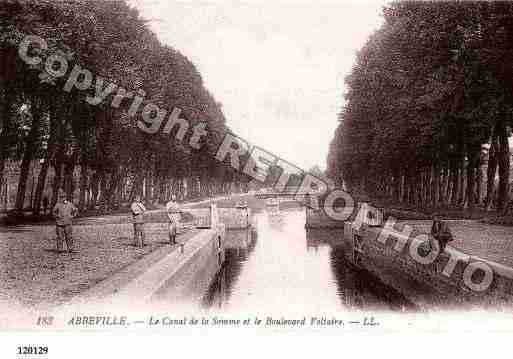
(257, 167)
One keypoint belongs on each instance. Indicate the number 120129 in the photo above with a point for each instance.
(31, 350)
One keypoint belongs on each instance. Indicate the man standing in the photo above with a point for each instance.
(64, 211)
(440, 232)
(173, 213)
(138, 210)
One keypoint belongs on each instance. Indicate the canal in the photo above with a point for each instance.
(282, 267)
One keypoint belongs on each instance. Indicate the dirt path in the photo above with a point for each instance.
(33, 274)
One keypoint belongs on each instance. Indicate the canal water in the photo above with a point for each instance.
(282, 267)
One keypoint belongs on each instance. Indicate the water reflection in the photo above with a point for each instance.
(358, 289)
(290, 268)
(238, 246)
(316, 238)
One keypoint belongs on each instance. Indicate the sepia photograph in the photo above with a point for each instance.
(304, 167)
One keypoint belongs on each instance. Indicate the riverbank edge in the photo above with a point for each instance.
(426, 285)
(140, 281)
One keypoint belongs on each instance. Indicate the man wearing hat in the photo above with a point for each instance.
(440, 232)
(173, 213)
(64, 211)
(138, 210)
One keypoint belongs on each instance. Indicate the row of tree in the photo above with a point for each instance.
(428, 108)
(98, 152)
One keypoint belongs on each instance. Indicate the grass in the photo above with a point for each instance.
(405, 211)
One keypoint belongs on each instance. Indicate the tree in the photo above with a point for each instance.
(428, 90)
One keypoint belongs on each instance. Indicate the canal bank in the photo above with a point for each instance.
(174, 273)
(474, 270)
(428, 277)
(185, 270)
(175, 276)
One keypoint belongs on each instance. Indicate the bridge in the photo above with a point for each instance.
(288, 192)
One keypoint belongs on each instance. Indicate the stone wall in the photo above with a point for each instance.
(319, 219)
(171, 276)
(232, 218)
(447, 279)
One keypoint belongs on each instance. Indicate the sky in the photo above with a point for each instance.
(278, 68)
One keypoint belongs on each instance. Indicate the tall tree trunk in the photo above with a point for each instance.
(456, 183)
(422, 188)
(57, 179)
(6, 99)
(503, 162)
(41, 181)
(104, 187)
(443, 185)
(471, 184)
(2, 169)
(445, 195)
(137, 185)
(158, 188)
(114, 183)
(479, 179)
(83, 187)
(479, 186)
(464, 184)
(43, 173)
(411, 189)
(402, 188)
(435, 197)
(406, 194)
(472, 174)
(147, 187)
(30, 149)
(461, 184)
(95, 185)
(418, 187)
(69, 186)
(449, 183)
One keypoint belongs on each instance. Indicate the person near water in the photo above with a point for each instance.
(64, 212)
(173, 213)
(441, 232)
(138, 210)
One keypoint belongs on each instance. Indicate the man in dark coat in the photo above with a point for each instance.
(64, 212)
(138, 210)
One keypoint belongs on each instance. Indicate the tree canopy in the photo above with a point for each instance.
(102, 144)
(430, 95)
